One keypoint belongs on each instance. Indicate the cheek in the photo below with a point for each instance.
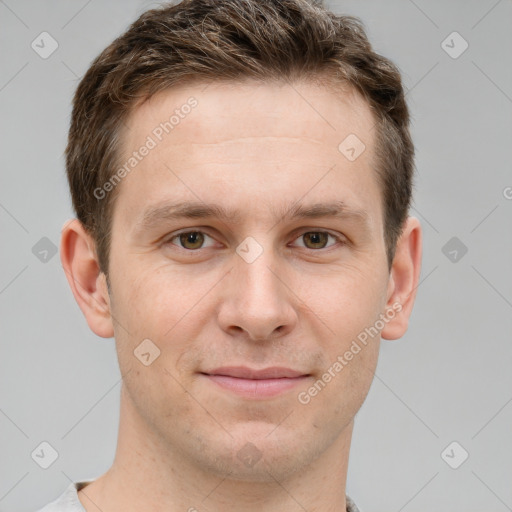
(345, 303)
(147, 297)
(340, 391)
(160, 398)
(156, 304)
(350, 309)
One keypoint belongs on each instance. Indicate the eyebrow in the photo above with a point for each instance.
(165, 212)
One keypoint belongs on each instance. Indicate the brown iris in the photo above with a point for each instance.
(318, 239)
(194, 238)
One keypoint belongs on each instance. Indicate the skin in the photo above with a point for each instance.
(256, 148)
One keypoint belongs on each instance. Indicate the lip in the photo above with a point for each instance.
(243, 372)
(252, 383)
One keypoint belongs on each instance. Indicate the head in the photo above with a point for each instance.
(217, 41)
(246, 106)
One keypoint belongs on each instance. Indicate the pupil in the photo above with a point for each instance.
(194, 238)
(317, 238)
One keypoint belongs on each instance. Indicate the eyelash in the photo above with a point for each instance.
(337, 238)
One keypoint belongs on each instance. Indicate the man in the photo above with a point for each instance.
(241, 173)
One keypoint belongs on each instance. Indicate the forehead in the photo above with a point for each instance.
(241, 141)
(236, 109)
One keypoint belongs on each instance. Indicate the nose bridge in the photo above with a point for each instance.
(258, 278)
(256, 300)
(258, 283)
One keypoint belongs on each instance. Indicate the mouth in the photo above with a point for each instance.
(252, 383)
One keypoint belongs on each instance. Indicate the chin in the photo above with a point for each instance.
(255, 454)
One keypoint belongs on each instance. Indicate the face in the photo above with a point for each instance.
(246, 240)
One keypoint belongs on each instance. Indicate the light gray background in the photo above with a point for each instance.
(448, 379)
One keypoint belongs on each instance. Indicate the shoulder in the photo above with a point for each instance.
(351, 506)
(68, 501)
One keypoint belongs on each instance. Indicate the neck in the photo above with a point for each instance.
(147, 474)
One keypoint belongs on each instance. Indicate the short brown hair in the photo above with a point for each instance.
(233, 40)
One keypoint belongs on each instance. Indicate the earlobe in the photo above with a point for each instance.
(87, 282)
(403, 280)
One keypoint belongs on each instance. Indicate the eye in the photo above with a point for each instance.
(318, 239)
(194, 240)
(190, 240)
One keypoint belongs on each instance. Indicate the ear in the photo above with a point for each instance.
(403, 280)
(88, 284)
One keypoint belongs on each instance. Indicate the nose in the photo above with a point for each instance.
(257, 302)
